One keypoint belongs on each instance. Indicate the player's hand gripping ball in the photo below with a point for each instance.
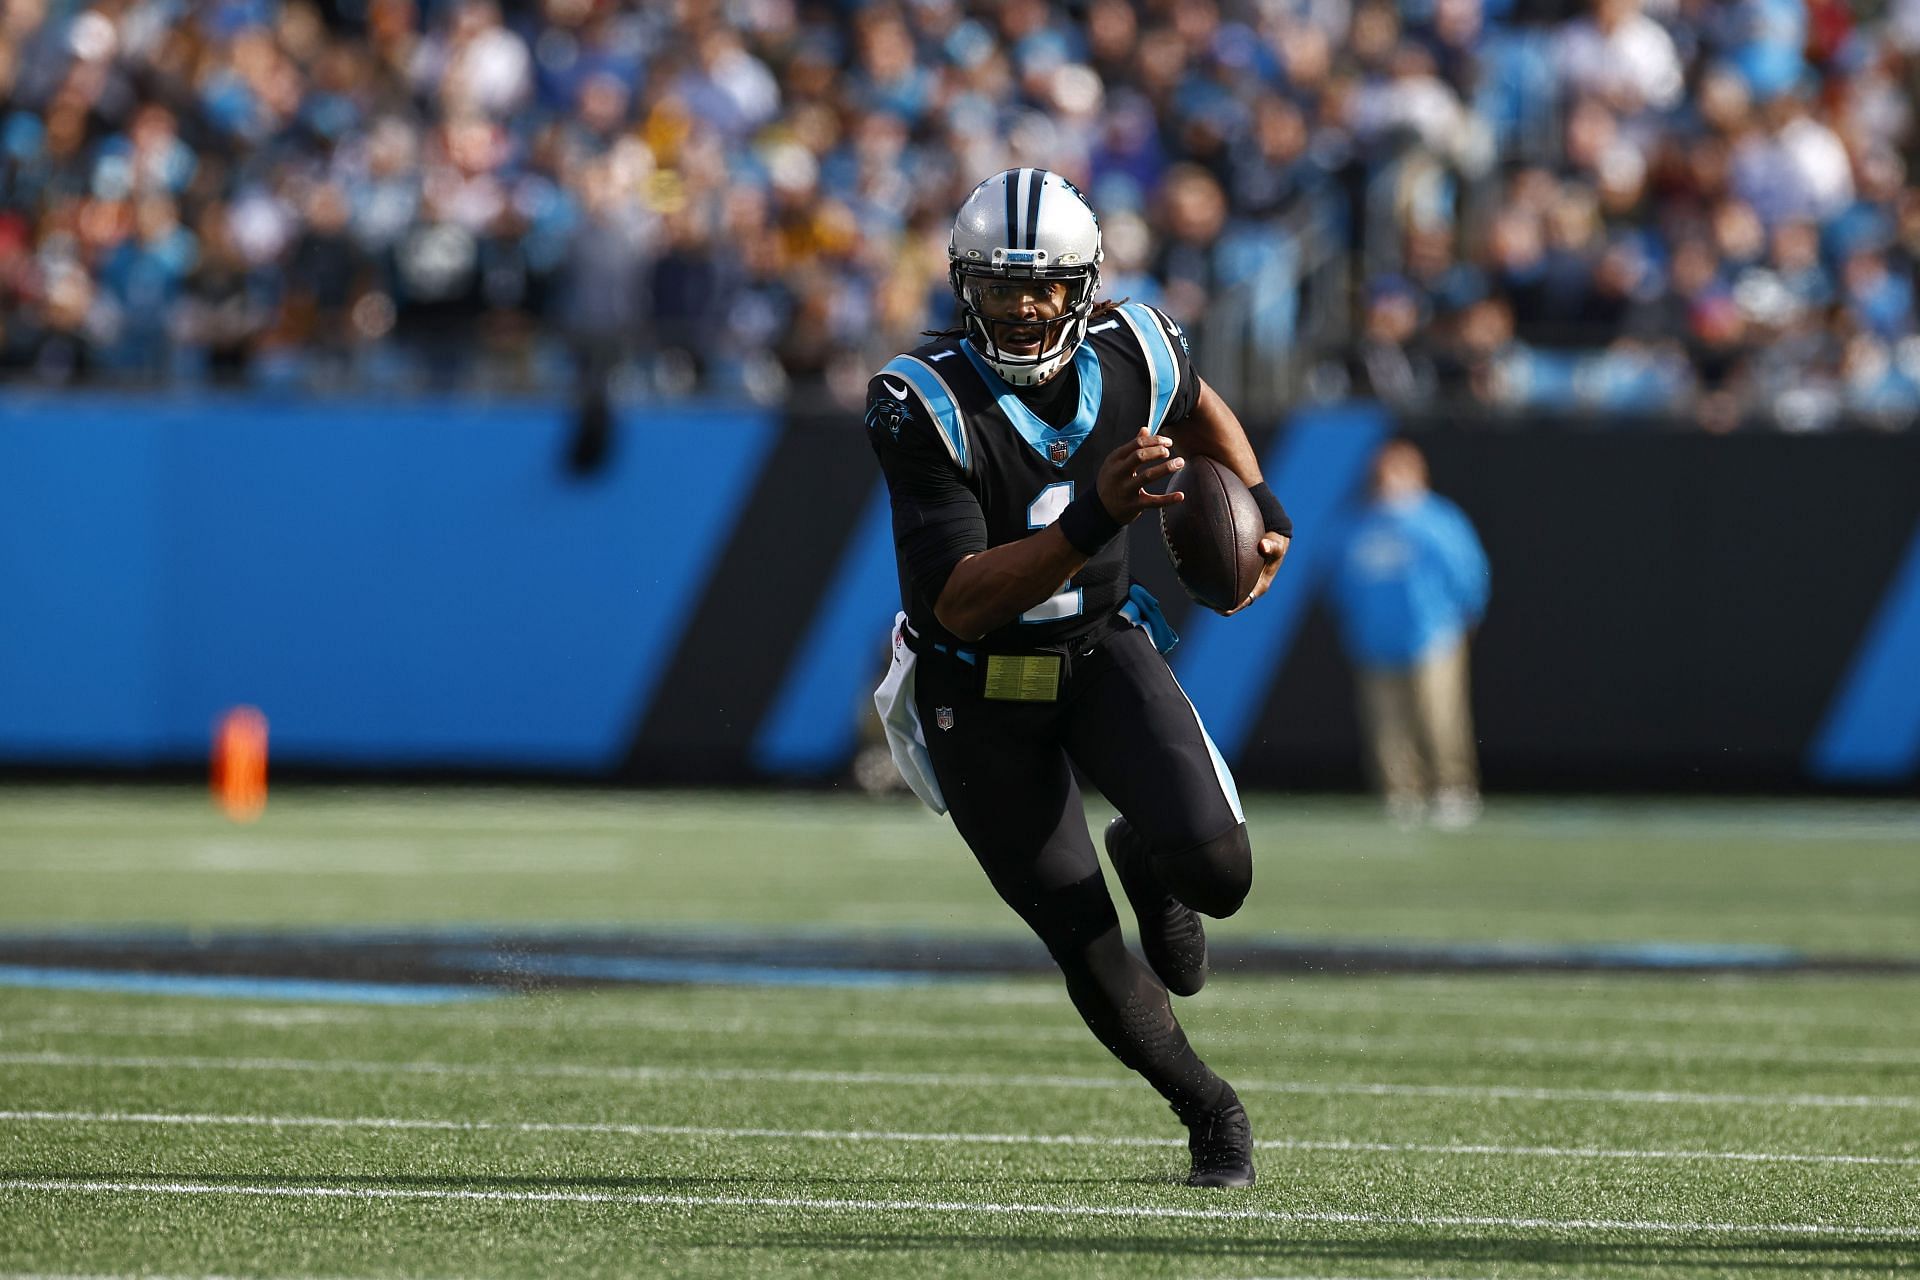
(1213, 537)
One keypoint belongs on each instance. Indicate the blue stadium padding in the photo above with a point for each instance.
(814, 722)
(413, 584)
(82, 582)
(1872, 729)
(1228, 665)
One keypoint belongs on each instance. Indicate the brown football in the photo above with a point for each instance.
(1213, 537)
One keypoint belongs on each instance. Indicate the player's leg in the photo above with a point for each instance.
(1171, 932)
(1013, 798)
(1121, 1002)
(1131, 728)
(1141, 742)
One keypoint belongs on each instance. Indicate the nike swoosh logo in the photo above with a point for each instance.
(898, 393)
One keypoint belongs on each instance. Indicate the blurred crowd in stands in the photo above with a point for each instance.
(1701, 207)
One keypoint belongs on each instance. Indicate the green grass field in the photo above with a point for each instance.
(1513, 1125)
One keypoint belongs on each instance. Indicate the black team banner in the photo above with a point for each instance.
(1670, 610)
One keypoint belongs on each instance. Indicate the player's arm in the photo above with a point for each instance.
(988, 589)
(1213, 429)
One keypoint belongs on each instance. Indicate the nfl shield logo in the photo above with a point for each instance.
(943, 716)
(1059, 452)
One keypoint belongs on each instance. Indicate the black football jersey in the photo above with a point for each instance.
(969, 465)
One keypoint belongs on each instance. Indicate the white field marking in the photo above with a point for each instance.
(1628, 1225)
(457, 811)
(1521, 1045)
(697, 817)
(1489, 995)
(910, 1136)
(1412, 1002)
(1420, 1003)
(1603, 1000)
(165, 1024)
(325, 857)
(1415, 1003)
(954, 1080)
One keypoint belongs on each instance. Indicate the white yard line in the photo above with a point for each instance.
(1009, 1208)
(1586, 1049)
(1606, 999)
(162, 1024)
(1483, 998)
(956, 1080)
(909, 1136)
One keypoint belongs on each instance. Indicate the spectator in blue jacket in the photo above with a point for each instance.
(1410, 587)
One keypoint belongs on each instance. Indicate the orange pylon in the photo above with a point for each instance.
(240, 763)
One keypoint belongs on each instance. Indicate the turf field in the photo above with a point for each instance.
(1511, 1124)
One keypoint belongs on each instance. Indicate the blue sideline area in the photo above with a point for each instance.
(213, 986)
(432, 966)
(410, 584)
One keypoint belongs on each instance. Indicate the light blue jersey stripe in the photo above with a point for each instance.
(1162, 364)
(938, 400)
(1221, 774)
(1039, 436)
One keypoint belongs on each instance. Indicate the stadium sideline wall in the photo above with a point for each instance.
(423, 587)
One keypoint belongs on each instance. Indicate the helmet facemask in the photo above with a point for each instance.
(997, 339)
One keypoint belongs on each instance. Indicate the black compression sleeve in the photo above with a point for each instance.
(1271, 511)
(939, 540)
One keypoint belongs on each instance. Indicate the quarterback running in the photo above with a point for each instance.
(1017, 448)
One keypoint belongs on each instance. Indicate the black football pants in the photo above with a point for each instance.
(1004, 770)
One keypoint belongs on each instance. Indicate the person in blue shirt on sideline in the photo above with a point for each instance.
(1410, 586)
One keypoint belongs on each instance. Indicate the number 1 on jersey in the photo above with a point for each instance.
(1041, 512)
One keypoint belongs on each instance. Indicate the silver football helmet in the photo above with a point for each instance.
(1025, 224)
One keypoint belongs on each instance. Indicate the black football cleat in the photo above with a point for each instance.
(1221, 1144)
(1171, 934)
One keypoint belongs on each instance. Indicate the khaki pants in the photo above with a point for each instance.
(1419, 727)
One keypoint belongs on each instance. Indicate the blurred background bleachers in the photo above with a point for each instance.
(473, 386)
(1702, 208)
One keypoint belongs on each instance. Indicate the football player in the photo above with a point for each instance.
(1017, 449)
